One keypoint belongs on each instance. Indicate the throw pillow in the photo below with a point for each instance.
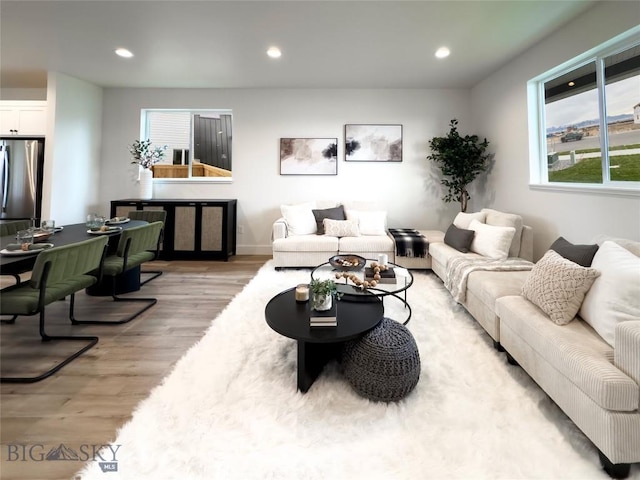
(369, 222)
(336, 213)
(615, 294)
(459, 238)
(558, 286)
(580, 254)
(491, 241)
(463, 220)
(299, 218)
(341, 228)
(501, 219)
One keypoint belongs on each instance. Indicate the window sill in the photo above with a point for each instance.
(192, 180)
(633, 191)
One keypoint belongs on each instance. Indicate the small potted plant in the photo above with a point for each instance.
(322, 293)
(145, 156)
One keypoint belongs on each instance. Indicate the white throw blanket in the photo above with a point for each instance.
(459, 268)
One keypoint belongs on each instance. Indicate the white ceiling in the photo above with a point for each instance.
(325, 44)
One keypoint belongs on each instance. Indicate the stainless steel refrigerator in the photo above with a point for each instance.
(21, 171)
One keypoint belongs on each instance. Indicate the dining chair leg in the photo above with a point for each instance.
(9, 321)
(149, 302)
(91, 341)
(154, 273)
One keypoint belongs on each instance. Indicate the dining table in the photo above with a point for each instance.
(16, 264)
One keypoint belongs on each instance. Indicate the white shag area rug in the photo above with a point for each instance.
(230, 408)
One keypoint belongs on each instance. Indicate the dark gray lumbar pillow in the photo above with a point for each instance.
(335, 213)
(459, 238)
(580, 254)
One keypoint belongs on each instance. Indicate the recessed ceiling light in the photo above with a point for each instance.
(274, 52)
(571, 84)
(442, 52)
(124, 53)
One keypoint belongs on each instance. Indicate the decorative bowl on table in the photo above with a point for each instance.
(347, 262)
(41, 236)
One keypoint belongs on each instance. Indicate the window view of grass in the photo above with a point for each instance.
(624, 168)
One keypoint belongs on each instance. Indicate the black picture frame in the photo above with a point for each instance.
(309, 156)
(373, 143)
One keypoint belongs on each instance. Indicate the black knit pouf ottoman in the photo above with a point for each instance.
(383, 365)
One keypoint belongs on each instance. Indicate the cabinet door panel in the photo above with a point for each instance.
(212, 229)
(185, 226)
(33, 121)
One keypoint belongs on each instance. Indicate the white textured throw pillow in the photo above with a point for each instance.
(369, 222)
(490, 241)
(341, 228)
(501, 219)
(463, 220)
(614, 297)
(558, 286)
(300, 219)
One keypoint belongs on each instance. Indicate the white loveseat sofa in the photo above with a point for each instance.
(297, 242)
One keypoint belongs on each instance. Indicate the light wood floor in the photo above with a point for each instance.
(89, 399)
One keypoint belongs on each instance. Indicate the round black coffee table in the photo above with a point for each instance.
(318, 345)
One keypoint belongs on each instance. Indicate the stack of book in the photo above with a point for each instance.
(386, 276)
(327, 318)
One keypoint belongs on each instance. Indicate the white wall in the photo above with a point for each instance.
(23, 93)
(409, 191)
(499, 106)
(72, 149)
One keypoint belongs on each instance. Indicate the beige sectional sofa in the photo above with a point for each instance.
(485, 286)
(596, 382)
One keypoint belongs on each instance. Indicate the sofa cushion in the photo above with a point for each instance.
(341, 228)
(558, 286)
(574, 350)
(501, 219)
(459, 238)
(306, 243)
(614, 296)
(335, 213)
(491, 241)
(488, 286)
(442, 253)
(463, 220)
(366, 244)
(372, 222)
(299, 218)
(580, 254)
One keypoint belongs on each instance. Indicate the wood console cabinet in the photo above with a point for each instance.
(195, 229)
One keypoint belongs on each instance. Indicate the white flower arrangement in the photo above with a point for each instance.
(144, 154)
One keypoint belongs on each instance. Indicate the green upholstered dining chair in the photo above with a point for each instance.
(133, 250)
(57, 273)
(12, 227)
(151, 216)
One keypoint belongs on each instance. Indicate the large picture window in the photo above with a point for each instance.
(588, 117)
(198, 141)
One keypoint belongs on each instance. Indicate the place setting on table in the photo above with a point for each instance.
(27, 243)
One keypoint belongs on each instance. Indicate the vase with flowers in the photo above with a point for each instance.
(145, 156)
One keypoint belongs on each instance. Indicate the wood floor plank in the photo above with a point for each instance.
(89, 399)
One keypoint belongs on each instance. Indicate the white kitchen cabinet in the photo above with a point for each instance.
(23, 118)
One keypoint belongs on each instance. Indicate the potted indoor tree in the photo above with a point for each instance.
(461, 160)
(322, 293)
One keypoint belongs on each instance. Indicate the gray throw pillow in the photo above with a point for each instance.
(335, 213)
(459, 238)
(580, 254)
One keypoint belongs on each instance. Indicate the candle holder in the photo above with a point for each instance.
(302, 293)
